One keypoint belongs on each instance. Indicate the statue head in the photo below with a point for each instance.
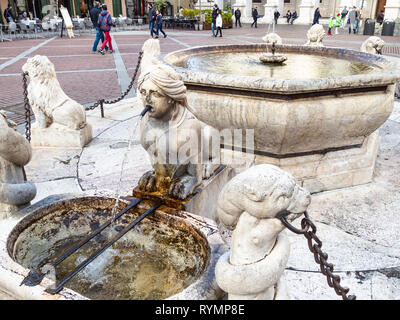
(39, 67)
(262, 191)
(161, 90)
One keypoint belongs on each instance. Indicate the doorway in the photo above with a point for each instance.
(380, 6)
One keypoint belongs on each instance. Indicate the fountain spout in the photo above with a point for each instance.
(145, 110)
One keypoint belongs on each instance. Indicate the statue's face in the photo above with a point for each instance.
(161, 105)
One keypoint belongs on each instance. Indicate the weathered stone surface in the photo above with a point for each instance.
(315, 35)
(373, 45)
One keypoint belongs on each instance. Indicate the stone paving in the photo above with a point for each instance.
(87, 77)
(358, 226)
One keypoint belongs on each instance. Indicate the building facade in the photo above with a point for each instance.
(81, 8)
(305, 8)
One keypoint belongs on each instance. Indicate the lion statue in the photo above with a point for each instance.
(373, 45)
(251, 204)
(172, 136)
(15, 153)
(315, 35)
(49, 102)
(272, 38)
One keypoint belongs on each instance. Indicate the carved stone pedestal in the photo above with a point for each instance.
(339, 168)
(60, 136)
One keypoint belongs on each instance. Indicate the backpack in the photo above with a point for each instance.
(103, 22)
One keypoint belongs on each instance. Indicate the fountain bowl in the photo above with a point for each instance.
(291, 116)
(171, 254)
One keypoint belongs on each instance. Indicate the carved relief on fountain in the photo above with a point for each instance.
(373, 45)
(249, 204)
(15, 153)
(60, 120)
(315, 35)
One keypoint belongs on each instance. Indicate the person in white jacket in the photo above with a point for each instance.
(218, 23)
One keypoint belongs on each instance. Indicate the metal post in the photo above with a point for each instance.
(102, 108)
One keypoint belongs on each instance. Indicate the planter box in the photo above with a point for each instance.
(228, 25)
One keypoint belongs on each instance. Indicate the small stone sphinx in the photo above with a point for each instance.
(172, 136)
(272, 39)
(372, 45)
(15, 153)
(315, 35)
(60, 120)
(249, 204)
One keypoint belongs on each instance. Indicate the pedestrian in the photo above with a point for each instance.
(218, 22)
(330, 25)
(105, 22)
(380, 17)
(94, 16)
(294, 17)
(276, 16)
(343, 16)
(152, 18)
(159, 25)
(338, 23)
(288, 16)
(8, 15)
(317, 15)
(255, 17)
(238, 14)
(352, 18)
(214, 15)
(358, 18)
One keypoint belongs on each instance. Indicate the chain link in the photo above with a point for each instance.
(320, 257)
(27, 107)
(130, 86)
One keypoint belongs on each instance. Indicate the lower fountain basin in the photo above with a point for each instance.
(168, 255)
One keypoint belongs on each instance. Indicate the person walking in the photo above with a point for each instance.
(159, 25)
(152, 18)
(338, 23)
(381, 17)
(343, 16)
(352, 18)
(94, 16)
(8, 15)
(105, 22)
(317, 15)
(330, 25)
(218, 23)
(358, 18)
(288, 16)
(238, 14)
(294, 17)
(276, 16)
(213, 19)
(255, 17)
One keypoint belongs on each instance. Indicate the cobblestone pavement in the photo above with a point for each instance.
(87, 77)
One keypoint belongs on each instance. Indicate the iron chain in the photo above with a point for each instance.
(320, 257)
(130, 86)
(27, 107)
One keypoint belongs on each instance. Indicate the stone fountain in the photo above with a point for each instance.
(316, 117)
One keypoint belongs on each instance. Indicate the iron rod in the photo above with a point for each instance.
(60, 285)
(95, 233)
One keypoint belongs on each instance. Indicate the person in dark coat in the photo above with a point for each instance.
(159, 25)
(276, 16)
(255, 17)
(238, 14)
(8, 15)
(288, 16)
(294, 17)
(152, 19)
(317, 15)
(381, 17)
(94, 16)
(213, 19)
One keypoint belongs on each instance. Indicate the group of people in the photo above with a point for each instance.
(155, 20)
(290, 17)
(216, 21)
(9, 16)
(351, 18)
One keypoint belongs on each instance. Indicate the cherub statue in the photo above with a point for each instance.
(249, 204)
(15, 153)
(172, 136)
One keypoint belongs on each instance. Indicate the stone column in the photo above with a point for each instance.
(392, 9)
(306, 11)
(269, 9)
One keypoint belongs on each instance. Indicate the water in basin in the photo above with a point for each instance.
(158, 258)
(297, 66)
